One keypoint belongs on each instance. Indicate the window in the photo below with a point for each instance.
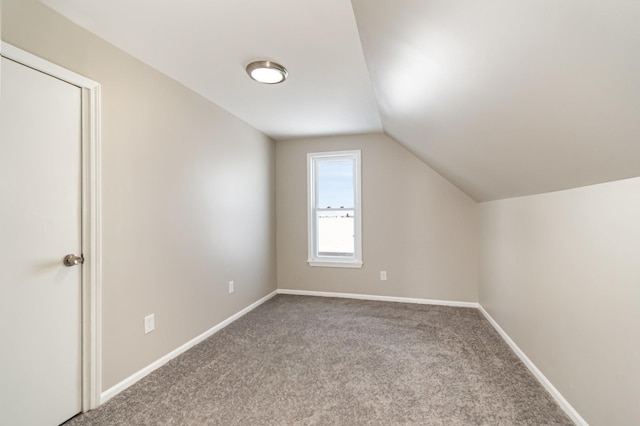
(333, 180)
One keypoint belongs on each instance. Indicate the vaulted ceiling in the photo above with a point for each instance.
(502, 97)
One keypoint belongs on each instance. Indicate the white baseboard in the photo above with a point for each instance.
(562, 402)
(557, 396)
(380, 298)
(116, 389)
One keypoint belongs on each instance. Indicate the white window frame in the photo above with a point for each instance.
(333, 261)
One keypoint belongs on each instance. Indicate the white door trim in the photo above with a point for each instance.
(91, 218)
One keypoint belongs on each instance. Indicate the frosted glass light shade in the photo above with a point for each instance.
(267, 72)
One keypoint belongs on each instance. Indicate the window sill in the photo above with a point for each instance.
(335, 264)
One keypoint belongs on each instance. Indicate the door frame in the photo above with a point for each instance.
(91, 218)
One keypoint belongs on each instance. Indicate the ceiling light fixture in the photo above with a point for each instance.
(267, 72)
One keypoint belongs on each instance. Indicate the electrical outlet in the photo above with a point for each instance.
(383, 275)
(231, 289)
(149, 323)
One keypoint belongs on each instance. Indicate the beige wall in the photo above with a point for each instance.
(188, 204)
(416, 225)
(560, 272)
(188, 196)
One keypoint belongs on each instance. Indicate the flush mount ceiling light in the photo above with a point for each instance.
(267, 72)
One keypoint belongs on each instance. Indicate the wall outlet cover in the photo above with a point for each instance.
(149, 323)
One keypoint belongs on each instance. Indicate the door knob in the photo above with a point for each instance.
(72, 260)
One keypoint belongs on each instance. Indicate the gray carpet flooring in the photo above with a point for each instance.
(299, 360)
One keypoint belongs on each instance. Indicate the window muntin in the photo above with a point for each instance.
(334, 209)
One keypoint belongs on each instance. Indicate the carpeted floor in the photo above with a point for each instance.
(299, 360)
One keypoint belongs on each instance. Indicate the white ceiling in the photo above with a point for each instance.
(206, 45)
(509, 97)
(502, 97)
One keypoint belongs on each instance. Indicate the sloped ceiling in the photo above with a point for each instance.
(509, 97)
(502, 97)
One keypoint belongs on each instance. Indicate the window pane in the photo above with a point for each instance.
(335, 183)
(335, 233)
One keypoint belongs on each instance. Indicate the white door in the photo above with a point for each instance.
(40, 212)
